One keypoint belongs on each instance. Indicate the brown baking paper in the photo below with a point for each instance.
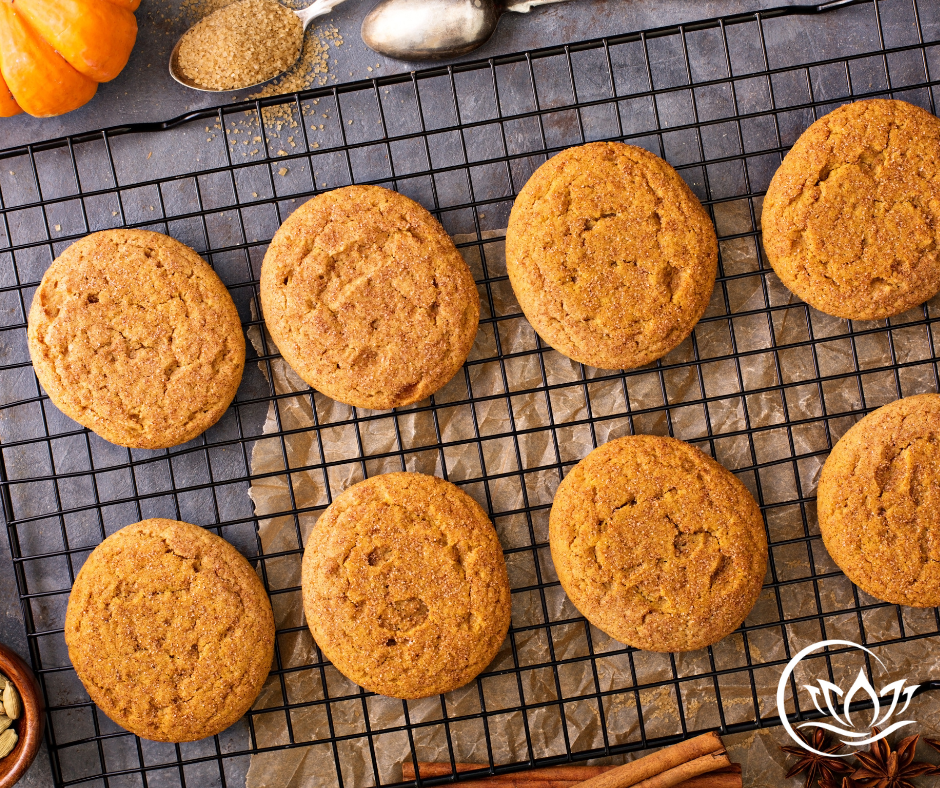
(578, 724)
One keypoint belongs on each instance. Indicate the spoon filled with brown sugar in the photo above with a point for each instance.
(243, 44)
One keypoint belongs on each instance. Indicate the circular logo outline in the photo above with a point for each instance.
(785, 676)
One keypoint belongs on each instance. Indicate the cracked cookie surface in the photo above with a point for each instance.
(657, 544)
(368, 299)
(133, 335)
(405, 586)
(611, 256)
(170, 630)
(851, 220)
(879, 502)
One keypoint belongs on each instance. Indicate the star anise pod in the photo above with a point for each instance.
(935, 744)
(883, 767)
(817, 767)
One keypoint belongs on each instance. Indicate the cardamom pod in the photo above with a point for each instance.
(8, 741)
(5, 722)
(12, 706)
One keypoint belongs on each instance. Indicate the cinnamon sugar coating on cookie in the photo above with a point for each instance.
(610, 254)
(368, 299)
(657, 544)
(170, 630)
(405, 587)
(879, 502)
(851, 220)
(133, 335)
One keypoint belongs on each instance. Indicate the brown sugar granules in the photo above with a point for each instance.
(242, 44)
(310, 69)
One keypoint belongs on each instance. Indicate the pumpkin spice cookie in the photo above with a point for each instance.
(657, 544)
(851, 220)
(879, 502)
(170, 630)
(134, 336)
(610, 255)
(405, 587)
(368, 299)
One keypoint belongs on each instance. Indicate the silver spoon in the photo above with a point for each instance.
(436, 29)
(306, 15)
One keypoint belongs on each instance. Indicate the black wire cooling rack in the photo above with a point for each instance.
(765, 384)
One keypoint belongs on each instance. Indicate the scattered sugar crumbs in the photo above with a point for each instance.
(311, 70)
(313, 66)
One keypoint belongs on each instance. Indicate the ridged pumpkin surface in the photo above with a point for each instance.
(53, 53)
(8, 105)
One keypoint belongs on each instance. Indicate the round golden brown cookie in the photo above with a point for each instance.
(879, 502)
(611, 256)
(851, 220)
(405, 586)
(368, 299)
(170, 630)
(133, 335)
(657, 544)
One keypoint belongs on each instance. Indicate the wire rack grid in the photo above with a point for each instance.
(765, 384)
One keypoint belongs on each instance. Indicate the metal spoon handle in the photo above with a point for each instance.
(321, 7)
(524, 6)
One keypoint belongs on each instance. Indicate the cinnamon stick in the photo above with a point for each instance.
(492, 782)
(723, 778)
(676, 775)
(563, 776)
(681, 754)
(691, 760)
(570, 773)
(710, 780)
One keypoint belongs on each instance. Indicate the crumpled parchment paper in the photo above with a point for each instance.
(372, 761)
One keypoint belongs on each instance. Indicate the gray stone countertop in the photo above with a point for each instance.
(144, 91)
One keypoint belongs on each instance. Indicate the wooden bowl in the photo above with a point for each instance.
(30, 725)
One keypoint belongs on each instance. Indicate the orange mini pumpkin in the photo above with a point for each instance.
(53, 53)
